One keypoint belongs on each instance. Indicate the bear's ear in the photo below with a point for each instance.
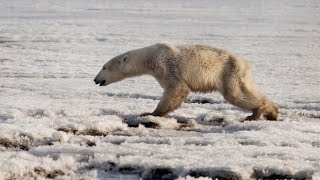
(125, 58)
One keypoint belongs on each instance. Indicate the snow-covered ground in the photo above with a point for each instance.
(56, 123)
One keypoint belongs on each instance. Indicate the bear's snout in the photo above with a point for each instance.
(100, 82)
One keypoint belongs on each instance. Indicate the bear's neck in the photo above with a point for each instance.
(143, 62)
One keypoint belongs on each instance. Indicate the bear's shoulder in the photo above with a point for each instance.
(167, 46)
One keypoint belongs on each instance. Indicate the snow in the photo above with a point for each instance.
(56, 123)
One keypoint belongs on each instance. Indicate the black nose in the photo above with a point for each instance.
(96, 81)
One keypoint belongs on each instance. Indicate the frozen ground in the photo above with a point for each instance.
(54, 122)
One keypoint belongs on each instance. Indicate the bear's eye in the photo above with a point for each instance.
(104, 68)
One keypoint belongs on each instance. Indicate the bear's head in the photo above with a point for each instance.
(112, 71)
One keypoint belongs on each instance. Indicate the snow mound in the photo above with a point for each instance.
(101, 126)
(21, 165)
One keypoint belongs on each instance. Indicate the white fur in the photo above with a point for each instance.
(185, 68)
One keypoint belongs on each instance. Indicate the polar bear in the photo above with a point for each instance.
(180, 69)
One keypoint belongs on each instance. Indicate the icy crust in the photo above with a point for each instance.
(41, 130)
(170, 148)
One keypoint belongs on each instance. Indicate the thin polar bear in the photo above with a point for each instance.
(180, 69)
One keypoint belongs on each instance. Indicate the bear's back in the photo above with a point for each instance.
(201, 66)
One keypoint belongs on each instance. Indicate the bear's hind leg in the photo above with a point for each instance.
(241, 94)
(172, 98)
(247, 101)
(247, 97)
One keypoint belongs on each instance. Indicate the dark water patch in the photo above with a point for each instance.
(102, 39)
(106, 166)
(133, 125)
(91, 143)
(87, 131)
(162, 172)
(214, 121)
(4, 117)
(68, 129)
(198, 143)
(280, 174)
(134, 121)
(93, 132)
(6, 41)
(150, 125)
(111, 170)
(108, 112)
(44, 41)
(316, 144)
(5, 60)
(39, 171)
(252, 143)
(13, 144)
(159, 173)
(25, 141)
(37, 113)
(130, 120)
(221, 174)
(116, 142)
(129, 169)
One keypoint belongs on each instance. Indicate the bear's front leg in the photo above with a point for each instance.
(171, 99)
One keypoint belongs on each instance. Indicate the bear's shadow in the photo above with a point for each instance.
(135, 121)
(191, 99)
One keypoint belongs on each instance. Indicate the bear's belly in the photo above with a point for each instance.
(202, 81)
